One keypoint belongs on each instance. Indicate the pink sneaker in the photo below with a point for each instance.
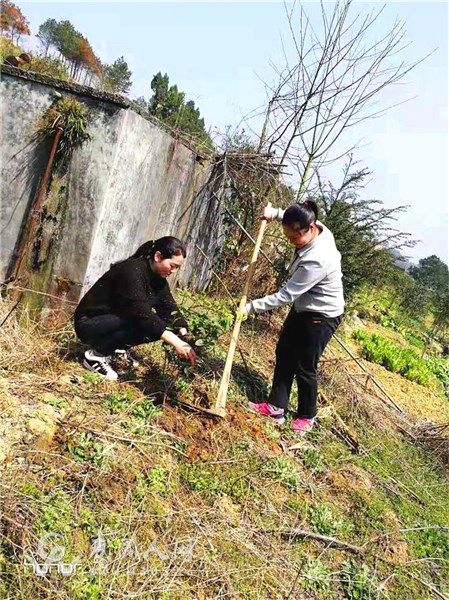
(302, 426)
(266, 409)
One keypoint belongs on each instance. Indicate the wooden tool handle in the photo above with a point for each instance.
(220, 405)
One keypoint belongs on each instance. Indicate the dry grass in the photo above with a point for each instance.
(436, 439)
(199, 489)
(25, 346)
(420, 402)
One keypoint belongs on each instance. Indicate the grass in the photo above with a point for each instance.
(177, 506)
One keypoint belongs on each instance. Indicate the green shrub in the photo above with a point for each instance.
(440, 368)
(7, 48)
(313, 459)
(143, 410)
(430, 543)
(316, 577)
(282, 470)
(215, 481)
(159, 482)
(52, 67)
(85, 448)
(387, 321)
(208, 319)
(413, 338)
(200, 477)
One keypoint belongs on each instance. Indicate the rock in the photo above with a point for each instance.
(71, 379)
(42, 427)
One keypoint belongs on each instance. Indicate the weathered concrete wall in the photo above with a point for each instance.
(21, 167)
(133, 181)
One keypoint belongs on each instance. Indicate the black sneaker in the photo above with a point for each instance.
(99, 364)
(125, 357)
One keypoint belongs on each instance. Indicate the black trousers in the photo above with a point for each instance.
(106, 333)
(303, 339)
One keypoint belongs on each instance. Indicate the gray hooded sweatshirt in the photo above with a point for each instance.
(315, 283)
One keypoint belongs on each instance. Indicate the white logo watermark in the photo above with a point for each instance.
(51, 551)
(52, 558)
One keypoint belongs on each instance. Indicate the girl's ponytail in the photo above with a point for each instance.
(144, 251)
(168, 246)
(313, 205)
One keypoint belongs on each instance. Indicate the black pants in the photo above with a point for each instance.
(106, 333)
(303, 339)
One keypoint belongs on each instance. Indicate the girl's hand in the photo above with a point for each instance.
(267, 214)
(246, 310)
(185, 351)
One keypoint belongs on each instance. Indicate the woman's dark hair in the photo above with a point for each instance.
(168, 246)
(300, 216)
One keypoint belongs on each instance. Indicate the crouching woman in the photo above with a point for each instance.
(131, 304)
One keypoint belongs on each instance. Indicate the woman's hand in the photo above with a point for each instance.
(185, 351)
(246, 310)
(268, 213)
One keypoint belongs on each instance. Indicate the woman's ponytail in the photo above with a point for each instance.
(313, 205)
(168, 246)
(144, 251)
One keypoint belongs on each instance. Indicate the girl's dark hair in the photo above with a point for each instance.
(300, 216)
(168, 246)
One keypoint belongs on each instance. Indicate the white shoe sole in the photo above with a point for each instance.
(272, 419)
(110, 377)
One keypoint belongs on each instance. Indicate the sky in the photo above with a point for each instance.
(219, 54)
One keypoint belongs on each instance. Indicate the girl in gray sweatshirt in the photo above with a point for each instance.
(315, 291)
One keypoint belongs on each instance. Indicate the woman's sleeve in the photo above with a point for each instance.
(304, 278)
(277, 214)
(168, 310)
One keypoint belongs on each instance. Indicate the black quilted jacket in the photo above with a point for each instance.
(131, 289)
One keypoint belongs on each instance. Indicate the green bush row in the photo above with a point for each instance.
(405, 361)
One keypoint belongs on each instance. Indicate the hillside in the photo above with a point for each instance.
(152, 500)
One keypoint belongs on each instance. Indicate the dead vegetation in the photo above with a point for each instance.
(154, 501)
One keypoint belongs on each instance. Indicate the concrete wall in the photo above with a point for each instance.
(133, 181)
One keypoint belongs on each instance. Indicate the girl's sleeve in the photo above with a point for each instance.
(168, 310)
(306, 276)
(277, 213)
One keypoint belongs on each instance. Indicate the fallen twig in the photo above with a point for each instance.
(391, 401)
(430, 586)
(404, 530)
(332, 541)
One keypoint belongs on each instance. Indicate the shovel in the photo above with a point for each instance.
(220, 405)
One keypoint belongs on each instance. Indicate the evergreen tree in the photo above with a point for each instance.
(168, 104)
(117, 76)
(432, 273)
